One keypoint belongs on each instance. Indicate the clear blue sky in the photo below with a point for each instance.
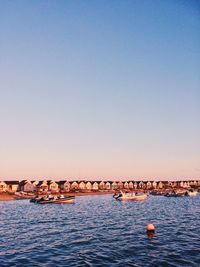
(100, 89)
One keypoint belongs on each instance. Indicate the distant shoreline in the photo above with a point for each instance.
(6, 197)
(9, 196)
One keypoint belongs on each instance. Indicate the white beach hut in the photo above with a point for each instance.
(95, 186)
(154, 185)
(81, 185)
(120, 185)
(130, 185)
(126, 185)
(74, 186)
(3, 186)
(114, 186)
(108, 186)
(135, 185)
(88, 186)
(149, 185)
(102, 185)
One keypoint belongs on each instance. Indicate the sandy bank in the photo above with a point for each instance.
(6, 196)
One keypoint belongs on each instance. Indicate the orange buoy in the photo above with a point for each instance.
(150, 228)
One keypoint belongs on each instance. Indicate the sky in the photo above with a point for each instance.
(100, 89)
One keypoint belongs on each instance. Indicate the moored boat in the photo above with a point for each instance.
(130, 196)
(191, 193)
(54, 200)
(177, 193)
(157, 193)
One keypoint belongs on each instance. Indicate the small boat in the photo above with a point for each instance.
(177, 193)
(54, 200)
(116, 195)
(35, 199)
(191, 193)
(130, 196)
(157, 193)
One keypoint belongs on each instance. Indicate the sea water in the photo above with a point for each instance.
(101, 231)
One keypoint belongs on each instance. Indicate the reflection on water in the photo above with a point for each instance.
(151, 234)
(100, 231)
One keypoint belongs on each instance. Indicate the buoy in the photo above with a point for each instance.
(150, 228)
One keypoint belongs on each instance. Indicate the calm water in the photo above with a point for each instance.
(100, 231)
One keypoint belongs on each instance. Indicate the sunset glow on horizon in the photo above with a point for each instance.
(100, 90)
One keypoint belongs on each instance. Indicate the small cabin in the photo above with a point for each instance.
(126, 185)
(181, 184)
(191, 183)
(3, 186)
(53, 186)
(120, 185)
(95, 186)
(102, 185)
(74, 186)
(35, 183)
(28, 186)
(135, 185)
(130, 185)
(186, 184)
(81, 186)
(154, 185)
(88, 186)
(141, 185)
(149, 185)
(66, 186)
(114, 186)
(61, 185)
(108, 186)
(12, 186)
(42, 186)
(160, 185)
(174, 184)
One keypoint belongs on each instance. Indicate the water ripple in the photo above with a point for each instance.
(100, 231)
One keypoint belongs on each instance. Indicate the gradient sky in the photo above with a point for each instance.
(100, 89)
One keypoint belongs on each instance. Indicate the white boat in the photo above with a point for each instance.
(54, 200)
(191, 193)
(130, 196)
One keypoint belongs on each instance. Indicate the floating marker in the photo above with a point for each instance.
(150, 228)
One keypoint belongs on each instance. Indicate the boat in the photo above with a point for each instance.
(54, 200)
(177, 193)
(191, 193)
(157, 193)
(130, 196)
(35, 199)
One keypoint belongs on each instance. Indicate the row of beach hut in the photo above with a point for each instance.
(70, 186)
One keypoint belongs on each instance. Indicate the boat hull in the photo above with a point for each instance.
(192, 194)
(54, 200)
(135, 198)
(66, 201)
(129, 197)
